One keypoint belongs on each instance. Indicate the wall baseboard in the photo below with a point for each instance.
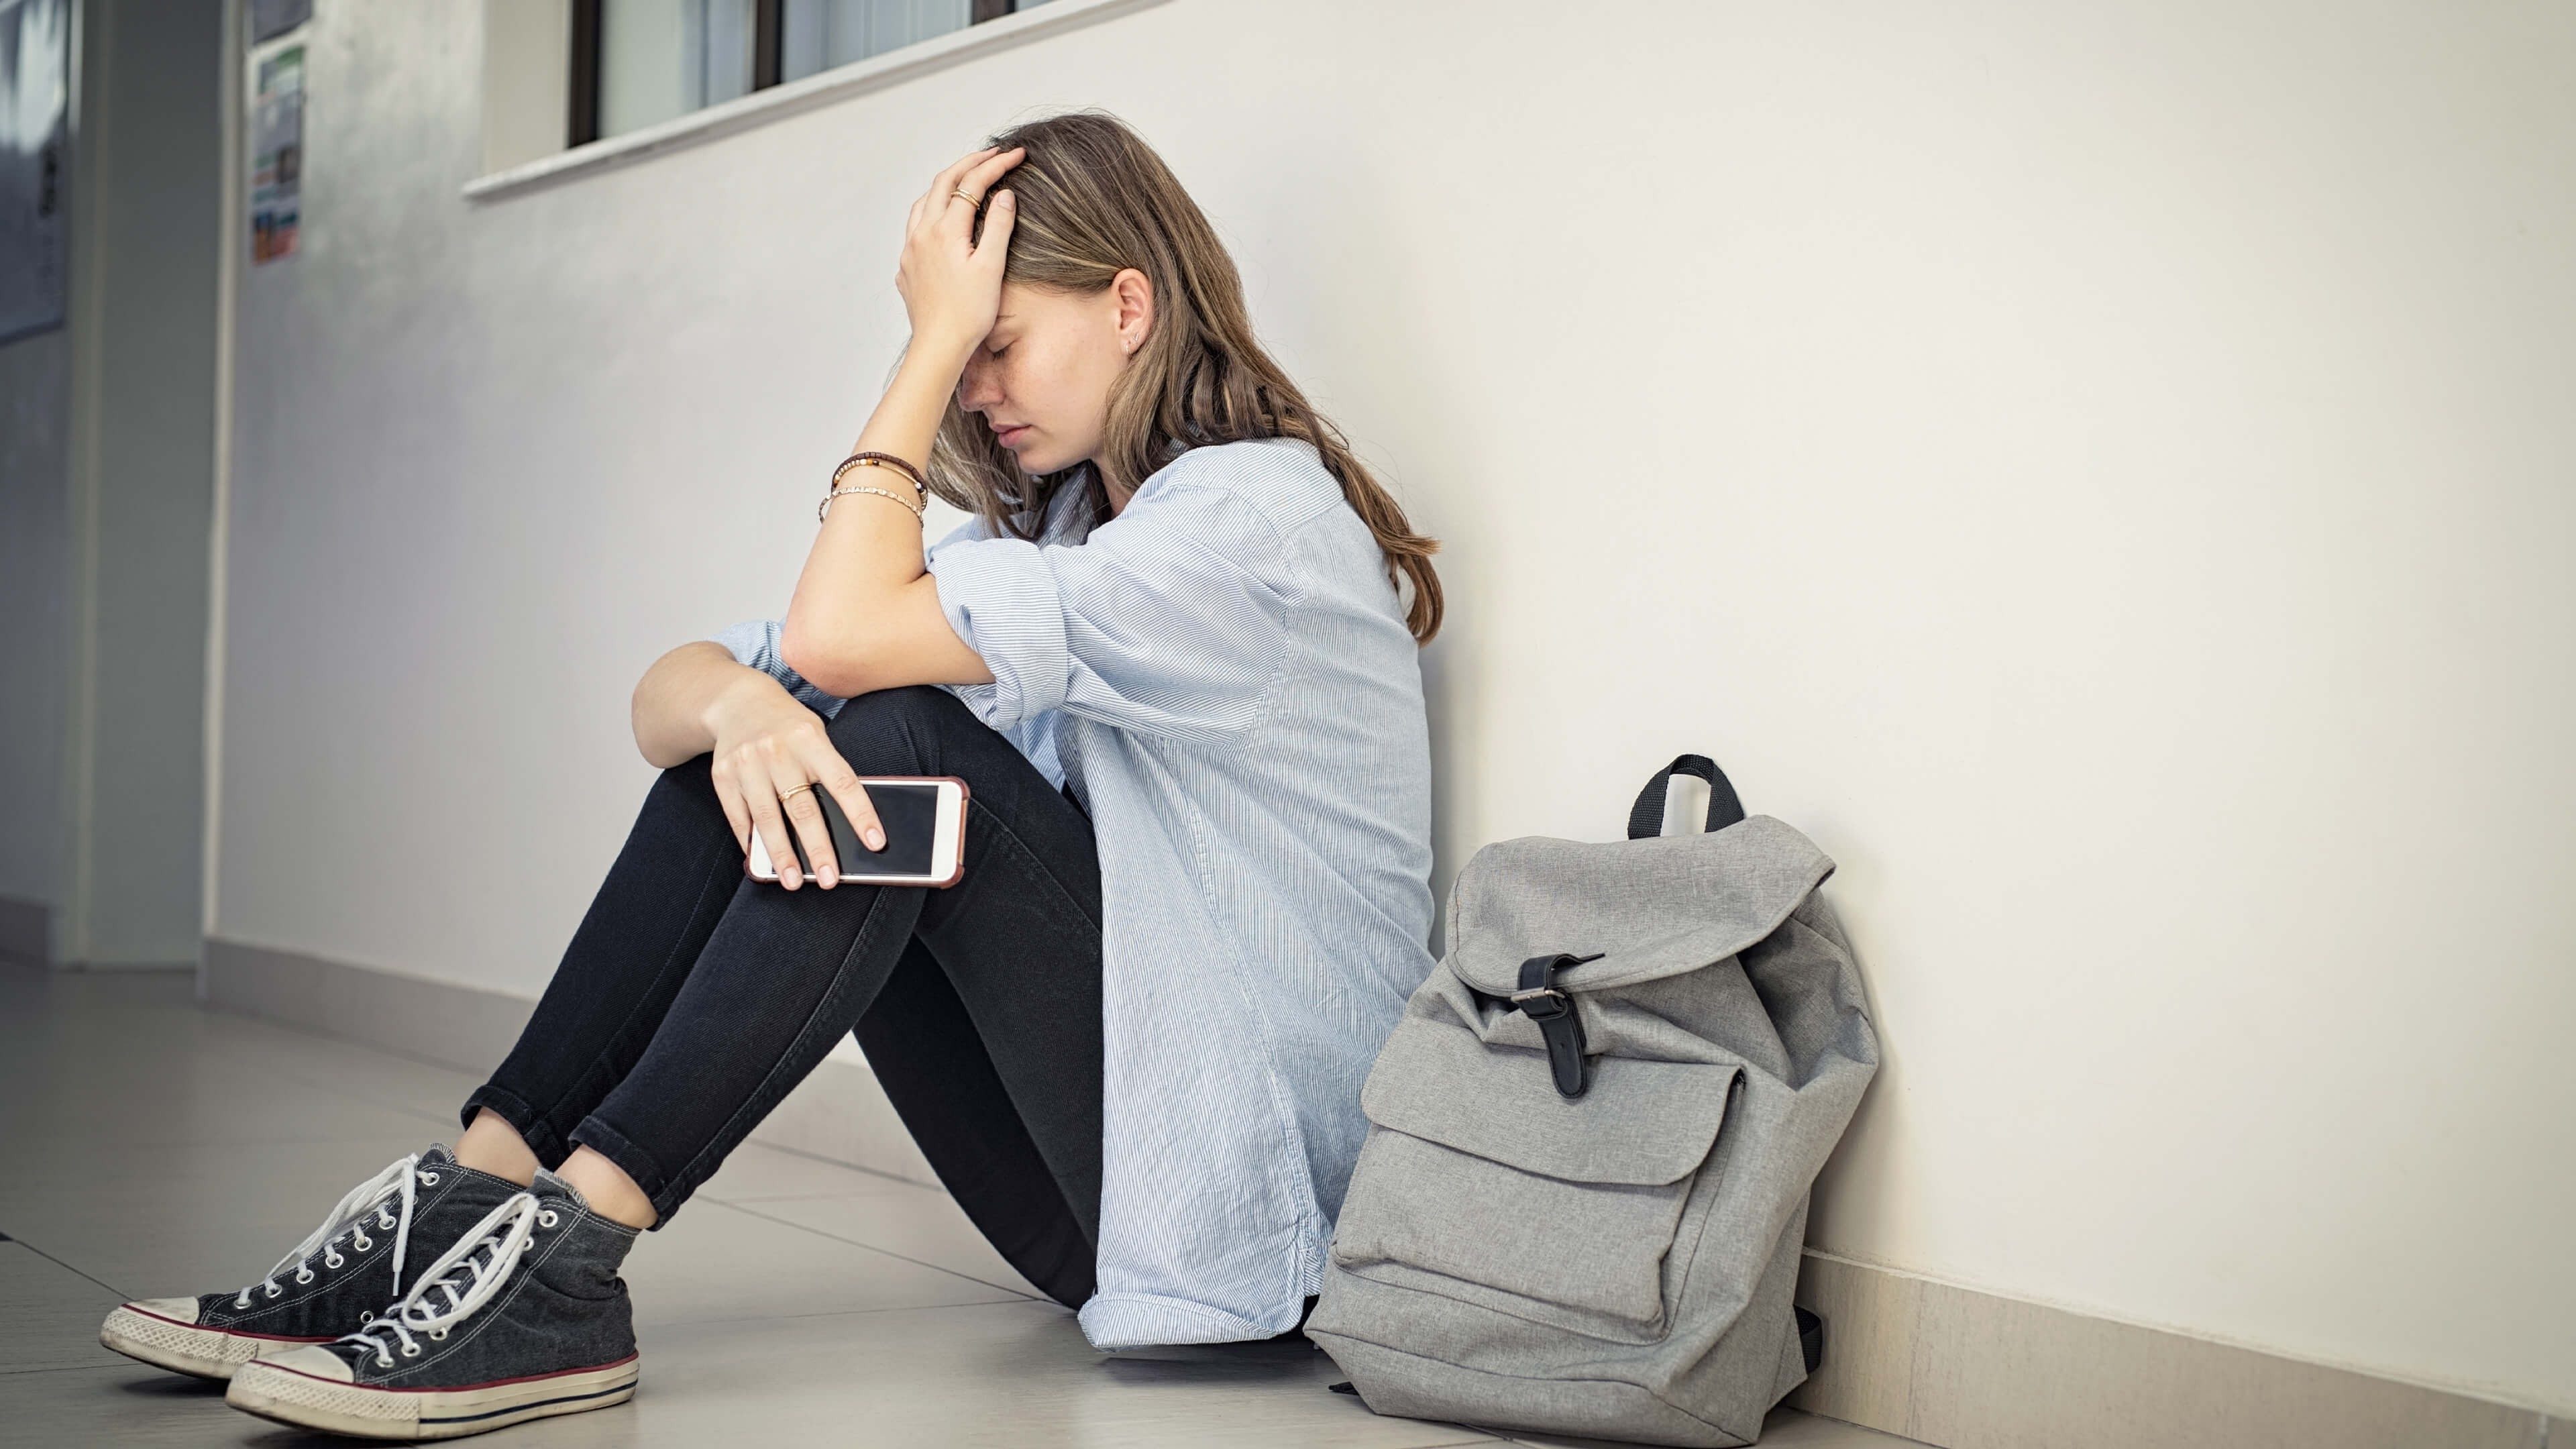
(25, 929)
(1956, 1367)
(839, 1113)
(1906, 1354)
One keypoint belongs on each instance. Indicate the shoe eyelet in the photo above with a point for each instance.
(244, 1300)
(546, 1219)
(411, 1350)
(438, 1335)
(430, 1177)
(361, 1242)
(384, 1360)
(332, 1259)
(303, 1275)
(384, 1219)
(274, 1291)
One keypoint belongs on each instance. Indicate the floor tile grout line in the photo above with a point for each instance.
(121, 1294)
(869, 1192)
(1017, 1300)
(261, 1021)
(889, 1252)
(847, 1166)
(7, 1374)
(311, 1033)
(332, 1082)
(295, 1029)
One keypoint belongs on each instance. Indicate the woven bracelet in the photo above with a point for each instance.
(889, 461)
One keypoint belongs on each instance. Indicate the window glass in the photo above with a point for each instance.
(664, 58)
(637, 63)
(820, 34)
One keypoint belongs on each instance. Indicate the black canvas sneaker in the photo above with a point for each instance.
(366, 1252)
(523, 1316)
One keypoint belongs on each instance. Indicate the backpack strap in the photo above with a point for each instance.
(1811, 1339)
(1724, 809)
(1545, 1003)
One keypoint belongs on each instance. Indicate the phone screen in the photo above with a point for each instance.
(910, 815)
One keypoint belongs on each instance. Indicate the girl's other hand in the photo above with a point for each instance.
(766, 743)
(952, 287)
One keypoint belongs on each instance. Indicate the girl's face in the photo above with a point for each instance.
(1042, 376)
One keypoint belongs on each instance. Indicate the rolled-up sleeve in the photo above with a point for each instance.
(1170, 619)
(754, 642)
(754, 645)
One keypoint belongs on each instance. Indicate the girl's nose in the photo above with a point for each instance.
(973, 384)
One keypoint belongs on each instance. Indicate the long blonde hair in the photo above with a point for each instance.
(1094, 199)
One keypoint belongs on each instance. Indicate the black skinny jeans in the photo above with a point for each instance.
(693, 997)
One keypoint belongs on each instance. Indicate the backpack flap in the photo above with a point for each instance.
(1479, 1182)
(1644, 1123)
(1649, 908)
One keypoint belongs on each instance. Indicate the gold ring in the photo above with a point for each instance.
(786, 795)
(970, 201)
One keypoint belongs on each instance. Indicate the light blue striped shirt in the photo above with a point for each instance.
(1222, 675)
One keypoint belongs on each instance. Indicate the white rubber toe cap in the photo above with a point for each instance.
(177, 1310)
(313, 1360)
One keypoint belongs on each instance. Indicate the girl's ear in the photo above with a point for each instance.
(1135, 308)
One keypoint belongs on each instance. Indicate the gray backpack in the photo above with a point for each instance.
(1584, 1191)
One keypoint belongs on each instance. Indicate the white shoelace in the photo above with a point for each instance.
(403, 1178)
(501, 1239)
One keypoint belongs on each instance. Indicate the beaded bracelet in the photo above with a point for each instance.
(825, 506)
(871, 458)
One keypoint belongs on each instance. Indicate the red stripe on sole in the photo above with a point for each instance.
(453, 1388)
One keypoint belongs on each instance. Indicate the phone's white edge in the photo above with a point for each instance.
(943, 847)
(943, 838)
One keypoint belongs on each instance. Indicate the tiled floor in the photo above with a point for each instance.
(149, 1148)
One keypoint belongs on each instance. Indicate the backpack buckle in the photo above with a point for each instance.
(1527, 1003)
(1551, 1008)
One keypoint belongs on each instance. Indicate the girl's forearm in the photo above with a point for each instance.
(870, 549)
(676, 697)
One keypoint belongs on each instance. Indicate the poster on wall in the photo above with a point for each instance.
(35, 170)
(277, 155)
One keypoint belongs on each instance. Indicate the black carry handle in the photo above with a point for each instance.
(1723, 808)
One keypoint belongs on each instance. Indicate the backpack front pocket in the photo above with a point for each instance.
(1480, 1173)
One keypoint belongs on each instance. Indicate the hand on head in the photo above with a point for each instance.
(951, 280)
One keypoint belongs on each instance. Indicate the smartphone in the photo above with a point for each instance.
(924, 817)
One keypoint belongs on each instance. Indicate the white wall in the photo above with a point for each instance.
(2103, 471)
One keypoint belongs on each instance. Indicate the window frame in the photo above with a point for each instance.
(768, 48)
